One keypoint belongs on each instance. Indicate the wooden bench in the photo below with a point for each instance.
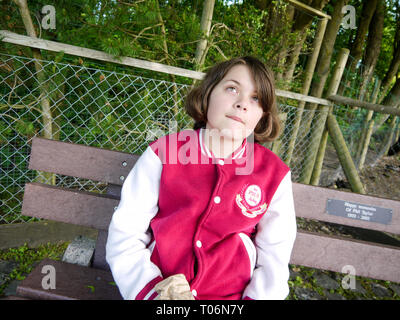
(95, 210)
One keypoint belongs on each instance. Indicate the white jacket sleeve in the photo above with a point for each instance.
(276, 232)
(129, 236)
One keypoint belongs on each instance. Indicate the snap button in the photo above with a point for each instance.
(198, 243)
(221, 162)
(217, 199)
(194, 293)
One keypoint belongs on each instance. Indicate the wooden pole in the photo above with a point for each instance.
(315, 136)
(11, 37)
(41, 77)
(320, 77)
(319, 160)
(55, 46)
(389, 137)
(365, 143)
(205, 26)
(339, 143)
(332, 89)
(311, 63)
(366, 133)
(277, 145)
(367, 105)
(343, 153)
(309, 9)
(46, 113)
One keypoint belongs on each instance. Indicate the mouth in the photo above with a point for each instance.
(236, 119)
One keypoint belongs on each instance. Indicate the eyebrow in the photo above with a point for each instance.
(233, 81)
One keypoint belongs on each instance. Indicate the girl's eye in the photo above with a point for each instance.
(232, 89)
(255, 98)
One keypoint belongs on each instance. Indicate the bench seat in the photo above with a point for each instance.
(72, 282)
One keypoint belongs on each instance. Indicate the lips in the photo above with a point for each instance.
(235, 118)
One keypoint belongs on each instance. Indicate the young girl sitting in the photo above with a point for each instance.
(209, 212)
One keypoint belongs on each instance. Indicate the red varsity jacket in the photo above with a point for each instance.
(227, 224)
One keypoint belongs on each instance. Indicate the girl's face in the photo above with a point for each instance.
(234, 108)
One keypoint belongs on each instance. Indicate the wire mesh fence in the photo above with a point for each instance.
(354, 124)
(112, 110)
(88, 106)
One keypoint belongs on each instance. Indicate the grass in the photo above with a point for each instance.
(26, 259)
(302, 283)
(304, 280)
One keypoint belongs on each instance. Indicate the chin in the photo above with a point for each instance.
(233, 133)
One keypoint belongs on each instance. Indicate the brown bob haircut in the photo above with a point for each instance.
(196, 103)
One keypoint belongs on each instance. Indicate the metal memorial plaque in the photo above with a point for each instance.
(359, 211)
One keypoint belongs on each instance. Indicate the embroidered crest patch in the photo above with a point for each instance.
(249, 201)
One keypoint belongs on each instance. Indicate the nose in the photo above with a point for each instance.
(241, 105)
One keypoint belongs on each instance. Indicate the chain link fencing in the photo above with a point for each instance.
(112, 110)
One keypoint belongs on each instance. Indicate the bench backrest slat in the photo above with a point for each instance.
(333, 253)
(311, 202)
(70, 206)
(80, 161)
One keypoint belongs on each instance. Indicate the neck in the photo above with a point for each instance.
(220, 145)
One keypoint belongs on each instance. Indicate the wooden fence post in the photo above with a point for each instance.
(317, 133)
(40, 73)
(333, 128)
(343, 153)
(366, 133)
(365, 141)
(332, 89)
(311, 63)
(277, 145)
(389, 137)
(46, 115)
